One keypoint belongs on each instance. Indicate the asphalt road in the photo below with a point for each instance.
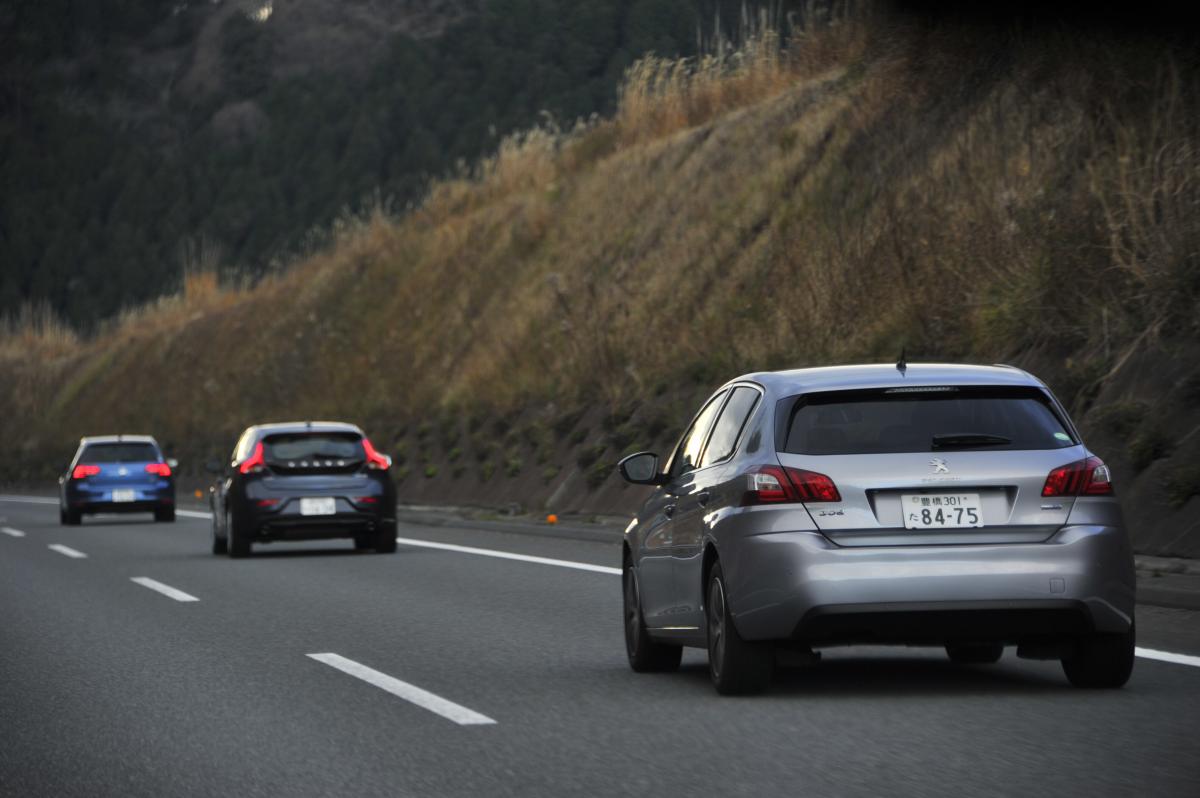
(447, 672)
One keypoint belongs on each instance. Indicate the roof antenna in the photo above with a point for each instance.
(902, 363)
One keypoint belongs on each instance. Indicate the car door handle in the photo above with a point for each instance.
(669, 510)
(703, 498)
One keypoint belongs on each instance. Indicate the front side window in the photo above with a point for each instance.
(687, 456)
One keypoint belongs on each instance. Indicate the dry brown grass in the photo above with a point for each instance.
(964, 194)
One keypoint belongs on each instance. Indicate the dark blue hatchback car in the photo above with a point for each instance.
(117, 474)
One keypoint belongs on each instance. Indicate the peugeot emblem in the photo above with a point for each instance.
(939, 466)
(122, 471)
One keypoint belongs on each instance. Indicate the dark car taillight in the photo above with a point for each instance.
(85, 471)
(1088, 477)
(254, 464)
(158, 469)
(775, 485)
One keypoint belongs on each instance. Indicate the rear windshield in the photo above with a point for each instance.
(119, 453)
(879, 422)
(309, 446)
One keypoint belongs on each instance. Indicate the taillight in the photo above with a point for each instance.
(773, 485)
(161, 469)
(254, 464)
(85, 471)
(267, 502)
(1088, 477)
(374, 459)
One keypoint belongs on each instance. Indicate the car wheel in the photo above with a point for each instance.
(385, 540)
(737, 667)
(1103, 660)
(165, 516)
(363, 543)
(236, 539)
(645, 655)
(219, 544)
(974, 653)
(69, 517)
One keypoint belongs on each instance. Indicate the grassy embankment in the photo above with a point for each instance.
(970, 194)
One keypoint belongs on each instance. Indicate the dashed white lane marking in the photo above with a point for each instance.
(506, 555)
(166, 590)
(193, 514)
(27, 499)
(411, 693)
(8, 530)
(67, 550)
(1168, 656)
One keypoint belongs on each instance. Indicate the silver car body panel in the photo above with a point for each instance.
(786, 564)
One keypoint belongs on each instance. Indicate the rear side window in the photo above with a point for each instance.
(119, 453)
(309, 446)
(949, 418)
(729, 426)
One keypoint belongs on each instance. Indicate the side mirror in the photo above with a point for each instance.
(213, 467)
(641, 469)
(173, 463)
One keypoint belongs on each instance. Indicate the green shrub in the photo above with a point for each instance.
(430, 471)
(454, 454)
(1148, 445)
(549, 473)
(512, 466)
(579, 436)
(486, 470)
(598, 473)
(1182, 484)
(590, 455)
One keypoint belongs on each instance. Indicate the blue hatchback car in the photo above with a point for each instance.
(117, 474)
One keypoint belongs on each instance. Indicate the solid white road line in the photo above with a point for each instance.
(1167, 656)
(27, 499)
(67, 550)
(193, 514)
(505, 555)
(166, 590)
(8, 530)
(411, 693)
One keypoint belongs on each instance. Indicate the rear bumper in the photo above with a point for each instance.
(99, 499)
(793, 585)
(341, 525)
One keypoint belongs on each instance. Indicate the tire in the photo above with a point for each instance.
(385, 540)
(363, 543)
(165, 516)
(645, 655)
(69, 517)
(1101, 661)
(219, 544)
(236, 539)
(974, 653)
(737, 667)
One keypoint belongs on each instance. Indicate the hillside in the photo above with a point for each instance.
(965, 192)
(133, 133)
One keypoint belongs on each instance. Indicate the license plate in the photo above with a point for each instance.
(124, 496)
(941, 510)
(318, 507)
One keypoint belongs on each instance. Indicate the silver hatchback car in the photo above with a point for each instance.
(917, 504)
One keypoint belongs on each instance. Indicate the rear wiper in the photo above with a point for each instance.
(946, 440)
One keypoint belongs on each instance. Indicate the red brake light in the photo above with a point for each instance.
(255, 463)
(1088, 477)
(374, 459)
(85, 471)
(813, 487)
(772, 484)
(161, 469)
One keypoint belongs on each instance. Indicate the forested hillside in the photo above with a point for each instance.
(872, 182)
(143, 137)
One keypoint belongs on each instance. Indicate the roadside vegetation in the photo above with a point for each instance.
(871, 184)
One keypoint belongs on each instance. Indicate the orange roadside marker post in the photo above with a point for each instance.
(552, 519)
